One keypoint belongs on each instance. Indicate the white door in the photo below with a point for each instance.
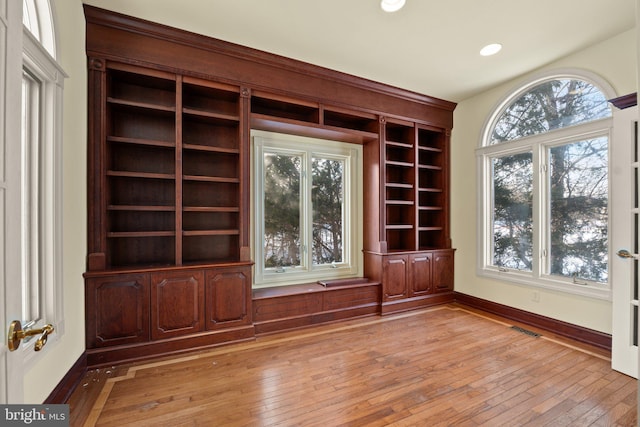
(625, 229)
(11, 370)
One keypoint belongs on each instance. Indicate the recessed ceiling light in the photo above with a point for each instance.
(490, 49)
(392, 5)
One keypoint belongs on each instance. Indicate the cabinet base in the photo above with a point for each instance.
(312, 319)
(100, 357)
(406, 304)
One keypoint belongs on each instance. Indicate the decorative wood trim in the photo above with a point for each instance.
(96, 64)
(168, 268)
(162, 32)
(625, 101)
(568, 330)
(408, 304)
(67, 385)
(100, 357)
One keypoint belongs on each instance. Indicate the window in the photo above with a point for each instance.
(544, 205)
(307, 201)
(31, 289)
(38, 19)
(41, 180)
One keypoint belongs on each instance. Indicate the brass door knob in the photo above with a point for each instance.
(623, 253)
(17, 334)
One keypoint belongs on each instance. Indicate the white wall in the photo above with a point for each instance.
(615, 61)
(60, 354)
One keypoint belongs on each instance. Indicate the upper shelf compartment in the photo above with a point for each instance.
(210, 100)
(156, 90)
(280, 113)
(361, 123)
(284, 109)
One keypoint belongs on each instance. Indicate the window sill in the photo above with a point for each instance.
(304, 288)
(546, 282)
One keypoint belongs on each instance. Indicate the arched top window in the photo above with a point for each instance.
(37, 17)
(544, 106)
(543, 206)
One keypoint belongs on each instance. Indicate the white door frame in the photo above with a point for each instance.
(11, 363)
(624, 217)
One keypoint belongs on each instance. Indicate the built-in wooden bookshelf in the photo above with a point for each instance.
(170, 115)
(416, 198)
(141, 194)
(400, 184)
(173, 169)
(432, 190)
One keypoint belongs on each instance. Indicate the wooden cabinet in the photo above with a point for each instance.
(420, 274)
(228, 293)
(177, 303)
(394, 277)
(167, 308)
(442, 271)
(412, 279)
(117, 310)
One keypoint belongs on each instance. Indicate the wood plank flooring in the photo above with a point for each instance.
(441, 366)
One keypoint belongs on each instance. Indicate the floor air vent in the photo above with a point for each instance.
(525, 331)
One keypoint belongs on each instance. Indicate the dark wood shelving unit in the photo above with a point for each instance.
(433, 200)
(169, 232)
(414, 262)
(399, 176)
(170, 115)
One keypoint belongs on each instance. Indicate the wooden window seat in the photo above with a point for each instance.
(296, 306)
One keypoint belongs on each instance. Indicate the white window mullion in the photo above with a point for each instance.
(306, 214)
(540, 213)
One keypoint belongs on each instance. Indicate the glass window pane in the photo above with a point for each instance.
(282, 210)
(512, 211)
(550, 105)
(328, 210)
(578, 185)
(31, 283)
(30, 18)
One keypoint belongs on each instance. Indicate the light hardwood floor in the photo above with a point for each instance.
(441, 366)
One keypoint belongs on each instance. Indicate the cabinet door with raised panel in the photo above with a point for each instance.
(117, 310)
(443, 271)
(394, 280)
(420, 274)
(228, 295)
(177, 303)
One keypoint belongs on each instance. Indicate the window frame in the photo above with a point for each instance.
(538, 145)
(43, 252)
(352, 264)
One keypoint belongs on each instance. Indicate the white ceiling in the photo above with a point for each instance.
(430, 46)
